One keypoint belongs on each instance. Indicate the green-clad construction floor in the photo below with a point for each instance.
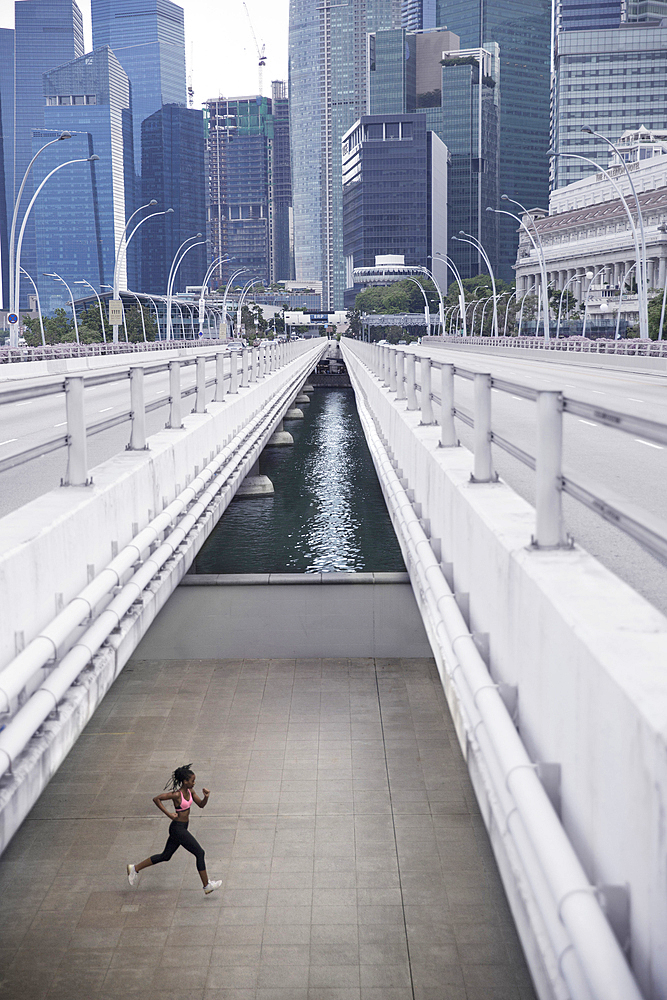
(342, 823)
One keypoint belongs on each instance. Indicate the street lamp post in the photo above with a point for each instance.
(175, 264)
(39, 307)
(122, 251)
(99, 303)
(507, 309)
(57, 277)
(474, 242)
(591, 281)
(441, 309)
(462, 298)
(246, 288)
(539, 251)
(560, 301)
(14, 265)
(427, 312)
(223, 259)
(241, 270)
(14, 290)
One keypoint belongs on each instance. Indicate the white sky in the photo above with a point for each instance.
(220, 52)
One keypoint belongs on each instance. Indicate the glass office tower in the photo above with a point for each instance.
(612, 80)
(646, 10)
(522, 29)
(173, 170)
(578, 15)
(280, 187)
(148, 39)
(6, 154)
(327, 93)
(418, 15)
(48, 33)
(80, 213)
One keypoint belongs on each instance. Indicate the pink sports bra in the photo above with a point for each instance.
(185, 803)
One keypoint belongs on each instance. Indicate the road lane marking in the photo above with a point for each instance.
(588, 422)
(60, 425)
(598, 392)
(8, 441)
(517, 397)
(105, 409)
(25, 402)
(633, 399)
(649, 443)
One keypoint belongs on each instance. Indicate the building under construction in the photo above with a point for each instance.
(250, 188)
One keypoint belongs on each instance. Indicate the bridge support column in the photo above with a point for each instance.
(254, 484)
(448, 437)
(483, 466)
(137, 405)
(175, 417)
(219, 377)
(400, 377)
(410, 379)
(200, 396)
(280, 437)
(426, 401)
(77, 446)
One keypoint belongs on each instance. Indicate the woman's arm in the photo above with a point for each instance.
(166, 797)
(201, 802)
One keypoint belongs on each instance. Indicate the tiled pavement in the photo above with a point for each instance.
(354, 861)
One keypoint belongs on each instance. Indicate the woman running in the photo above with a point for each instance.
(182, 794)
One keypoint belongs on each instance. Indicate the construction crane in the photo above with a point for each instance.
(261, 53)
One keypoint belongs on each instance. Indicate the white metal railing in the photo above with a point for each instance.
(551, 479)
(580, 345)
(255, 362)
(565, 910)
(102, 605)
(54, 352)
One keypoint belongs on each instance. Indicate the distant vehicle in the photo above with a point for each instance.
(382, 341)
(403, 342)
(235, 346)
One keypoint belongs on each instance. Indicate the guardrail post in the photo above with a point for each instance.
(219, 376)
(137, 405)
(262, 361)
(549, 532)
(483, 466)
(175, 419)
(77, 445)
(200, 396)
(233, 372)
(400, 383)
(392, 352)
(385, 366)
(448, 437)
(245, 373)
(252, 360)
(410, 380)
(426, 401)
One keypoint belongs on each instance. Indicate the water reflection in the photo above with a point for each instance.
(327, 514)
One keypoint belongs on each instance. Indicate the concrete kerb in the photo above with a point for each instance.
(579, 646)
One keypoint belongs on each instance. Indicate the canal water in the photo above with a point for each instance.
(327, 514)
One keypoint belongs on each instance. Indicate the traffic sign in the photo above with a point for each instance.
(12, 318)
(115, 312)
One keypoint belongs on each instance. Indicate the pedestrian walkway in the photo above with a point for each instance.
(354, 860)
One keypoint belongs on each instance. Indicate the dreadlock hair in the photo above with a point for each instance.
(180, 775)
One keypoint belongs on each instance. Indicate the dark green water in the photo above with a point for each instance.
(327, 514)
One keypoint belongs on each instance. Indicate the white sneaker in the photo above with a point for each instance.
(132, 875)
(212, 886)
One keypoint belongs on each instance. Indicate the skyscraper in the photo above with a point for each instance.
(6, 153)
(327, 93)
(48, 33)
(522, 29)
(173, 171)
(418, 15)
(148, 39)
(81, 212)
(280, 187)
(577, 15)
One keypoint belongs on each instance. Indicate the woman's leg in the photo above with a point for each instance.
(194, 847)
(170, 848)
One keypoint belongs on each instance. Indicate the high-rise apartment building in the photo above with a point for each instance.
(80, 214)
(250, 194)
(148, 39)
(394, 194)
(173, 171)
(418, 15)
(6, 154)
(327, 93)
(612, 80)
(456, 91)
(578, 15)
(522, 30)
(48, 33)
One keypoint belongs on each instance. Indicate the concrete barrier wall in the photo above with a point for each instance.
(283, 616)
(21, 370)
(53, 546)
(593, 360)
(587, 655)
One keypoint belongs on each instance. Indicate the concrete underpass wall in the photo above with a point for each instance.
(587, 655)
(285, 616)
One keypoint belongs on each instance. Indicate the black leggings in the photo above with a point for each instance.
(179, 837)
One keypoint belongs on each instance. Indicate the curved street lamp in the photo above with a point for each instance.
(241, 270)
(462, 298)
(39, 306)
(560, 301)
(246, 288)
(57, 277)
(474, 242)
(539, 251)
(123, 251)
(14, 265)
(427, 311)
(99, 303)
(175, 264)
(591, 281)
(223, 259)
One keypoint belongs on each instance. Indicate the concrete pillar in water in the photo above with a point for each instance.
(294, 414)
(302, 398)
(280, 436)
(307, 387)
(255, 485)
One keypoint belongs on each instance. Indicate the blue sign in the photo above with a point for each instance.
(12, 318)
